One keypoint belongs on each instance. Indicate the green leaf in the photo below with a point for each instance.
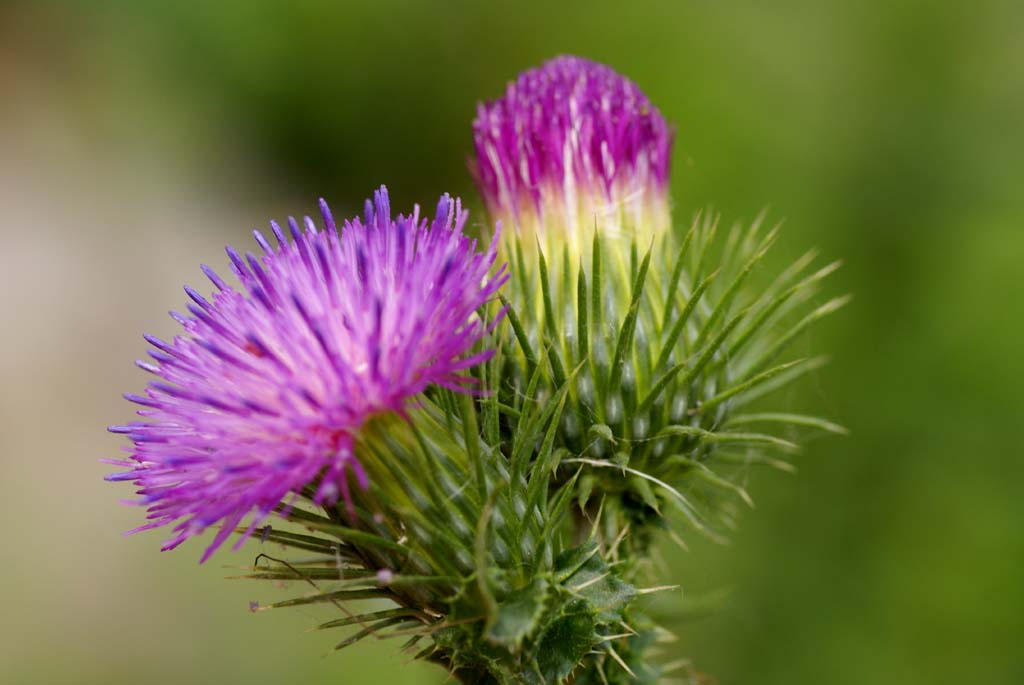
(710, 477)
(480, 554)
(726, 300)
(565, 642)
(530, 426)
(601, 587)
(748, 384)
(669, 343)
(333, 573)
(368, 631)
(789, 419)
(335, 596)
(520, 333)
(643, 488)
(602, 432)
(471, 436)
(776, 302)
(723, 437)
(492, 410)
(597, 277)
(540, 474)
(706, 355)
(624, 344)
(677, 272)
(571, 560)
(753, 458)
(582, 322)
(782, 380)
(360, 619)
(518, 615)
(781, 344)
(306, 543)
(707, 231)
(559, 504)
(554, 356)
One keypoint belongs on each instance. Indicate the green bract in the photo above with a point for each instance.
(660, 349)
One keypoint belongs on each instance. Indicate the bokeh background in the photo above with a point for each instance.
(137, 138)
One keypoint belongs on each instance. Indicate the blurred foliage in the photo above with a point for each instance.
(887, 134)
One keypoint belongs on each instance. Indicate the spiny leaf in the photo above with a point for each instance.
(775, 303)
(554, 357)
(706, 474)
(603, 591)
(492, 414)
(643, 488)
(706, 355)
(304, 573)
(677, 498)
(822, 311)
(360, 619)
(726, 300)
(564, 643)
(624, 344)
(677, 272)
(447, 484)
(582, 322)
(480, 554)
(518, 616)
(298, 541)
(522, 271)
(530, 428)
(357, 537)
(558, 505)
(369, 630)
(602, 432)
(707, 436)
(520, 333)
(669, 344)
(597, 277)
(571, 560)
(753, 458)
(748, 384)
(782, 380)
(707, 233)
(790, 419)
(471, 437)
(540, 475)
(334, 596)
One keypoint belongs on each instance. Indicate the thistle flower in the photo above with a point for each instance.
(571, 144)
(265, 392)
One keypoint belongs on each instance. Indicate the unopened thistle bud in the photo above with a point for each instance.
(571, 146)
(656, 333)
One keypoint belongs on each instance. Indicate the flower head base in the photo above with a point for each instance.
(571, 144)
(264, 394)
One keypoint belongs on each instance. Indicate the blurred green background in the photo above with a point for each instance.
(137, 138)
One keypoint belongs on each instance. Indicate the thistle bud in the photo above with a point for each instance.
(570, 146)
(657, 334)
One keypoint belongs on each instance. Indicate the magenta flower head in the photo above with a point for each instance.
(570, 145)
(263, 394)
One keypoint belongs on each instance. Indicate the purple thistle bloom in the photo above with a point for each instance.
(573, 138)
(264, 393)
